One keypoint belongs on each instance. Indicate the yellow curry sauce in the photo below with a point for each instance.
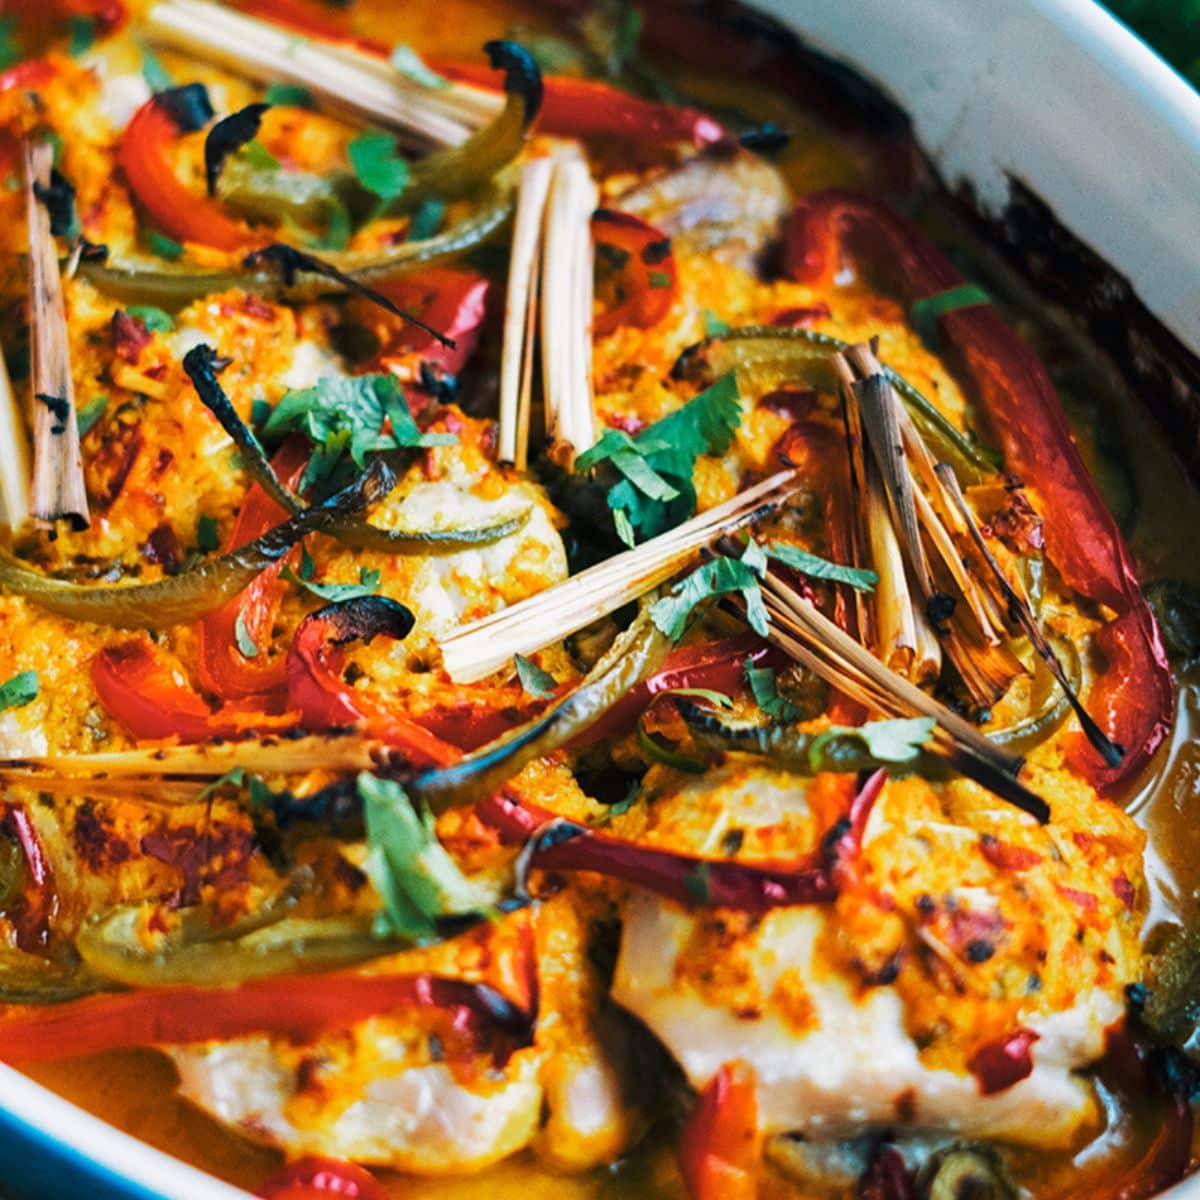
(137, 1089)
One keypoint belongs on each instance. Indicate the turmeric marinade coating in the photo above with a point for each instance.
(806, 863)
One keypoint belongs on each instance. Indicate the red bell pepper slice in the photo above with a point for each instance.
(38, 904)
(300, 1006)
(648, 279)
(221, 666)
(315, 1178)
(316, 688)
(720, 1146)
(586, 108)
(684, 878)
(175, 209)
(309, 19)
(1000, 1064)
(716, 666)
(152, 701)
(1133, 698)
(108, 14)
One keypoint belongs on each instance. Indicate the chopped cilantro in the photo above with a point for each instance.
(411, 65)
(717, 577)
(346, 414)
(21, 689)
(713, 325)
(427, 220)
(415, 877)
(338, 227)
(534, 681)
(655, 492)
(260, 412)
(766, 693)
(90, 413)
(658, 279)
(622, 806)
(378, 165)
(255, 154)
(157, 77)
(153, 318)
(83, 35)
(816, 567)
(716, 699)
(333, 593)
(895, 741)
(208, 538)
(245, 643)
(161, 245)
(288, 95)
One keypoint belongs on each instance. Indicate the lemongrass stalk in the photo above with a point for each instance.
(344, 78)
(14, 456)
(478, 649)
(58, 488)
(516, 368)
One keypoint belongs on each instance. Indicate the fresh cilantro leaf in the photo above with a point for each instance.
(83, 35)
(713, 325)
(255, 154)
(9, 53)
(655, 492)
(619, 807)
(378, 165)
(207, 537)
(755, 558)
(21, 689)
(157, 77)
(766, 693)
(895, 741)
(260, 412)
(346, 413)
(234, 778)
(816, 567)
(90, 413)
(411, 65)
(925, 313)
(333, 593)
(161, 245)
(534, 681)
(717, 577)
(415, 877)
(153, 318)
(288, 95)
(55, 139)
(245, 643)
(427, 220)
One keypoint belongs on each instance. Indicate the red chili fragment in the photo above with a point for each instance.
(1000, 1064)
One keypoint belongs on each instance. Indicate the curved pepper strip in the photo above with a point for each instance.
(38, 903)
(1133, 698)
(152, 701)
(175, 209)
(684, 878)
(161, 1016)
(720, 1146)
(221, 666)
(647, 271)
(313, 1178)
(308, 18)
(586, 108)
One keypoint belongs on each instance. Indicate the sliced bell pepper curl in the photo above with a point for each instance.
(222, 668)
(586, 108)
(685, 878)
(315, 1178)
(317, 690)
(152, 701)
(1132, 697)
(646, 272)
(720, 1146)
(285, 1005)
(146, 160)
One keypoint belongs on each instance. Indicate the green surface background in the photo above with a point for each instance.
(1172, 27)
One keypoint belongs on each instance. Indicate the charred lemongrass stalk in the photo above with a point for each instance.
(58, 487)
(475, 651)
(14, 456)
(516, 369)
(1021, 614)
(269, 755)
(804, 633)
(566, 308)
(346, 78)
